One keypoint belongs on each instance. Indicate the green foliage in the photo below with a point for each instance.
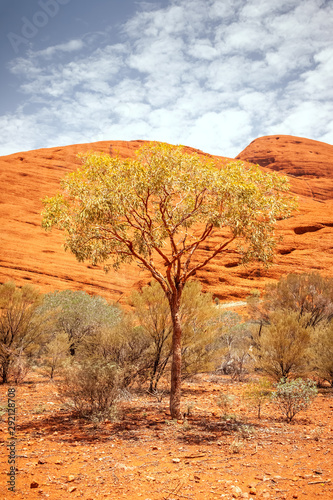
(22, 330)
(122, 209)
(234, 343)
(258, 393)
(282, 347)
(197, 314)
(78, 315)
(308, 295)
(91, 388)
(294, 396)
(158, 209)
(322, 352)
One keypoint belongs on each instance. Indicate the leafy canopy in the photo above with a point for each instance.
(127, 209)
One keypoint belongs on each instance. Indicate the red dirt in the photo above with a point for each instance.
(146, 455)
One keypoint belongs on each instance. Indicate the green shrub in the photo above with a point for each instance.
(281, 348)
(91, 388)
(55, 354)
(22, 330)
(258, 393)
(225, 401)
(322, 353)
(294, 396)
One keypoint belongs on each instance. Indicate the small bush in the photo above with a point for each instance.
(92, 388)
(294, 396)
(236, 445)
(20, 368)
(55, 354)
(225, 401)
(322, 353)
(258, 393)
(281, 347)
(3, 411)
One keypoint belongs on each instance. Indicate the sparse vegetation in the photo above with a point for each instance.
(281, 348)
(322, 353)
(234, 342)
(23, 329)
(79, 315)
(257, 393)
(310, 296)
(91, 388)
(294, 396)
(115, 211)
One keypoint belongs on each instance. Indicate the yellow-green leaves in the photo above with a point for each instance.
(160, 207)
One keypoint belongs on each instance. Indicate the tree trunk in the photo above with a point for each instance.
(176, 365)
(5, 370)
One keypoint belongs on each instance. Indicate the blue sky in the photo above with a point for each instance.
(212, 74)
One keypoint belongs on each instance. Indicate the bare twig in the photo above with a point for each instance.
(320, 482)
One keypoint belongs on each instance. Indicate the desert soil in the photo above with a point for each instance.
(145, 455)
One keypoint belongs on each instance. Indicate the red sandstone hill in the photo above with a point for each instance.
(30, 255)
(308, 163)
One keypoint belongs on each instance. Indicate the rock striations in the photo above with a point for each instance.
(30, 255)
(308, 163)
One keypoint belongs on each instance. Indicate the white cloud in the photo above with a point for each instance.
(206, 73)
(71, 46)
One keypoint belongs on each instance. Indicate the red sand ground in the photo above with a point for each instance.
(145, 455)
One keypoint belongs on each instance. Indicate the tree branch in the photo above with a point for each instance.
(216, 252)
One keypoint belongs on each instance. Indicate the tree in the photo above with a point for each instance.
(199, 330)
(152, 309)
(197, 313)
(21, 327)
(158, 210)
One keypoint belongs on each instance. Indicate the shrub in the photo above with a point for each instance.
(20, 368)
(124, 346)
(79, 315)
(234, 343)
(294, 396)
(225, 402)
(308, 295)
(236, 445)
(322, 353)
(281, 348)
(23, 329)
(92, 388)
(55, 354)
(258, 393)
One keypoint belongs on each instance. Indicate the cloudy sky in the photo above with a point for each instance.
(212, 74)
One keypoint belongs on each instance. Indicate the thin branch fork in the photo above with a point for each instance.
(217, 251)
